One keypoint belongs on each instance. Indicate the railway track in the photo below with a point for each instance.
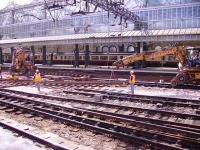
(165, 136)
(158, 115)
(164, 101)
(94, 83)
(167, 85)
(99, 79)
(60, 84)
(107, 78)
(7, 83)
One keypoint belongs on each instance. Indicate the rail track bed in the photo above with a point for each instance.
(65, 77)
(82, 101)
(96, 113)
(150, 80)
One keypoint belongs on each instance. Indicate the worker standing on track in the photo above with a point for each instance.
(132, 81)
(37, 79)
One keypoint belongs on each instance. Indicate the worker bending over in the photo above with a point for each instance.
(37, 79)
(132, 81)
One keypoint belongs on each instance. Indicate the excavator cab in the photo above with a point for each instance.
(191, 68)
(192, 57)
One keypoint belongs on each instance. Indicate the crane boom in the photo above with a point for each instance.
(177, 51)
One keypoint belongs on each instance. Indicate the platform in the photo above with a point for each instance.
(9, 141)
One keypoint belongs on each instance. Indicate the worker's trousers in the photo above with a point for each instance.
(132, 88)
(37, 86)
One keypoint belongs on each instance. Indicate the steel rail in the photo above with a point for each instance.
(80, 110)
(105, 127)
(140, 98)
(180, 115)
(125, 96)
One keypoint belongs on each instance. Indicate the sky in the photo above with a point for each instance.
(3, 3)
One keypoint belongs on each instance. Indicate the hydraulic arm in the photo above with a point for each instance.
(177, 51)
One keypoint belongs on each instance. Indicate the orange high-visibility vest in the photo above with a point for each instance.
(132, 79)
(38, 77)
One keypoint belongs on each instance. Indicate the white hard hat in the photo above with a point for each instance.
(132, 72)
(37, 70)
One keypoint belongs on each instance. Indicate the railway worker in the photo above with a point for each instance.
(37, 79)
(132, 81)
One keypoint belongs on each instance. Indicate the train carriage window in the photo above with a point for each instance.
(121, 57)
(113, 49)
(65, 57)
(94, 57)
(103, 57)
(71, 57)
(171, 58)
(61, 57)
(113, 58)
(80, 57)
(55, 57)
(105, 49)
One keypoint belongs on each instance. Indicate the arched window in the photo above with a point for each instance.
(130, 49)
(105, 49)
(113, 49)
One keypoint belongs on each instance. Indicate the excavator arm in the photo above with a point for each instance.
(129, 59)
(177, 51)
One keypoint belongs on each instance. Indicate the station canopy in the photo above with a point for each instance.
(114, 37)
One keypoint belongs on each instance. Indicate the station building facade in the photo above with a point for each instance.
(165, 17)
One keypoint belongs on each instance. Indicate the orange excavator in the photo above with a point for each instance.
(188, 60)
(21, 64)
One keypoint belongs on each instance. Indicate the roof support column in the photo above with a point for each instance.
(145, 49)
(76, 56)
(44, 54)
(1, 56)
(87, 55)
(12, 54)
(139, 49)
(121, 48)
(145, 46)
(33, 54)
(51, 57)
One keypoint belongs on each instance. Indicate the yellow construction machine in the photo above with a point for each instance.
(21, 64)
(187, 58)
